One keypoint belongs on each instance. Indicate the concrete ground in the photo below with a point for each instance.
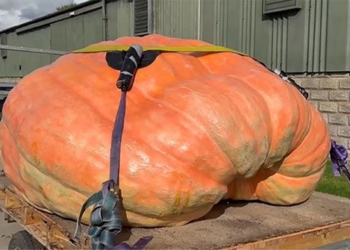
(6, 231)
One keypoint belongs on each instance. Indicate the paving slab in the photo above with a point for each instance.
(6, 231)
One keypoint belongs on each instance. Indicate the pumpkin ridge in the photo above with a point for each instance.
(196, 124)
(193, 167)
(319, 144)
(20, 150)
(307, 125)
(49, 166)
(253, 80)
(261, 100)
(205, 81)
(304, 106)
(85, 97)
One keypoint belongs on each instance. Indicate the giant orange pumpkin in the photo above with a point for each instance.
(199, 128)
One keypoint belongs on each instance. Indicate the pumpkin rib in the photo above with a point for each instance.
(68, 182)
(148, 98)
(204, 119)
(267, 114)
(189, 118)
(12, 139)
(208, 61)
(254, 81)
(21, 171)
(320, 146)
(303, 112)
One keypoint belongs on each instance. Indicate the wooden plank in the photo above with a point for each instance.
(41, 226)
(325, 220)
(307, 239)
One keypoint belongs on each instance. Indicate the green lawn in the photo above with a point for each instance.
(332, 185)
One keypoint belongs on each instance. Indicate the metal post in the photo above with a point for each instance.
(33, 50)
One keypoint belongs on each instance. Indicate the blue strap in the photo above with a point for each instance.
(105, 218)
(117, 139)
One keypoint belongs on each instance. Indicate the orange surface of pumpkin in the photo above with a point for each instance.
(199, 128)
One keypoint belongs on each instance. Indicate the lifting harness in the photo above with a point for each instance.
(105, 218)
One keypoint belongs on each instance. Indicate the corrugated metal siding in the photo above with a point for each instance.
(93, 28)
(242, 26)
(10, 66)
(338, 35)
(221, 22)
(176, 18)
(75, 32)
(312, 39)
(120, 19)
(18, 64)
(58, 37)
(65, 35)
(39, 38)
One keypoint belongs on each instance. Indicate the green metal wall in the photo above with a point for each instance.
(314, 39)
(18, 64)
(76, 32)
(120, 19)
(178, 18)
(65, 35)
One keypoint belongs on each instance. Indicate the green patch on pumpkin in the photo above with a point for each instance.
(333, 185)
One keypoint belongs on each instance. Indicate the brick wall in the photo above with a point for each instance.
(331, 96)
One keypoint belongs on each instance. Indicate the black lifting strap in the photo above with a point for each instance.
(105, 219)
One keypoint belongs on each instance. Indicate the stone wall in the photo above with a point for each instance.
(331, 96)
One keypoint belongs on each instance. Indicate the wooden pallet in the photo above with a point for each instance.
(57, 233)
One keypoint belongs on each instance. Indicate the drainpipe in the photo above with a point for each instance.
(199, 18)
(105, 20)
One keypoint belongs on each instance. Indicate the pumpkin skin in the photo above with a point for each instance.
(199, 128)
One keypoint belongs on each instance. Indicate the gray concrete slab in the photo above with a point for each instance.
(6, 231)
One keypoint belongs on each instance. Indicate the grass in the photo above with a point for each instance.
(329, 184)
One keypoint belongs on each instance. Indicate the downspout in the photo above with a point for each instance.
(199, 17)
(105, 20)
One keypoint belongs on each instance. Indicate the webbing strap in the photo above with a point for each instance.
(108, 48)
(105, 218)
